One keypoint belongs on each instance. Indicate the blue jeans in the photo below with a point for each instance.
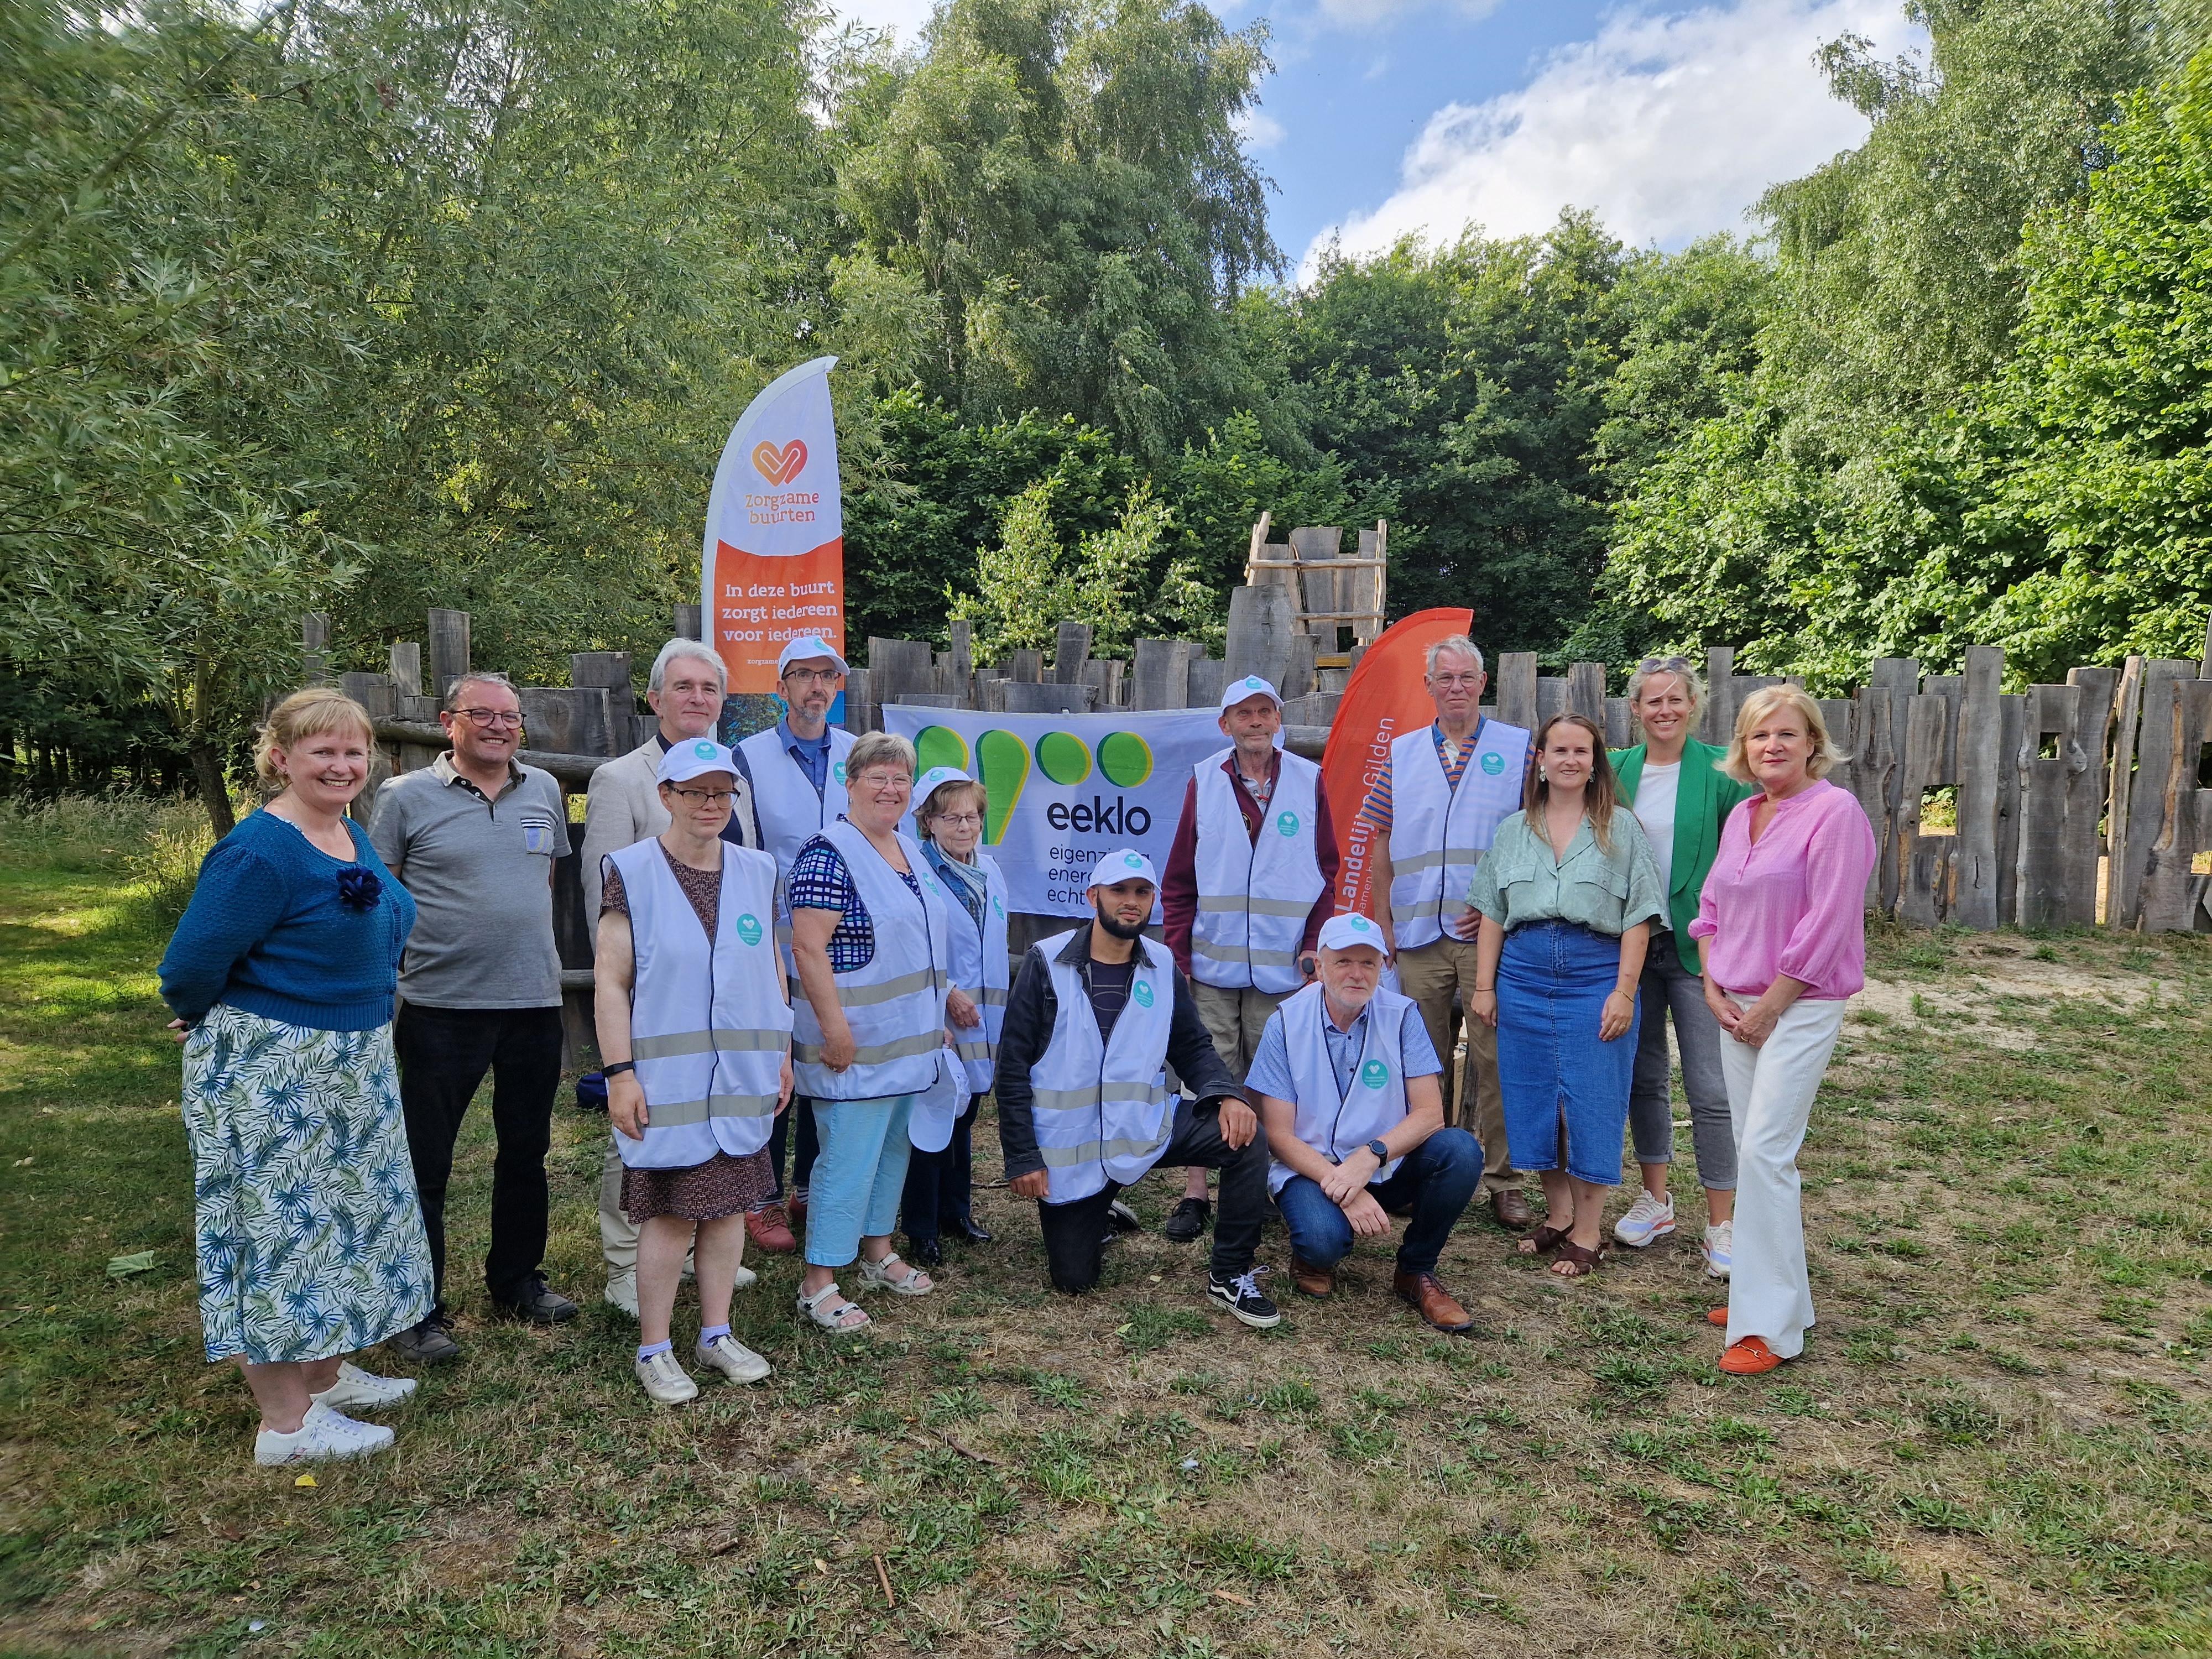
(857, 1177)
(1434, 1185)
(1560, 1083)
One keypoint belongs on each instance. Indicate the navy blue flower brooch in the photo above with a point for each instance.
(359, 889)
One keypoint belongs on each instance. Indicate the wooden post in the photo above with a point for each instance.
(2167, 898)
(1873, 781)
(2204, 672)
(1897, 679)
(2088, 766)
(1922, 867)
(2012, 722)
(2126, 717)
(2043, 897)
(1260, 622)
(2150, 798)
(1517, 689)
(1298, 679)
(1551, 697)
(449, 650)
(1071, 650)
(1586, 691)
(1026, 666)
(1162, 675)
(1979, 742)
(689, 622)
(1716, 722)
(1619, 724)
(406, 668)
(1207, 678)
(961, 670)
(314, 647)
(1840, 716)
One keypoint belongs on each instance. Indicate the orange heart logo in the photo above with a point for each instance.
(780, 466)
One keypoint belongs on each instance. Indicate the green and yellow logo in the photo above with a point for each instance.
(1001, 762)
(749, 928)
(1375, 1074)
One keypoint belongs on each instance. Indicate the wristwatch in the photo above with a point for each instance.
(1381, 1153)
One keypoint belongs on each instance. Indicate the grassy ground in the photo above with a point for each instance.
(1998, 1443)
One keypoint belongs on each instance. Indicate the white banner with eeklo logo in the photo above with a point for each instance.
(1062, 789)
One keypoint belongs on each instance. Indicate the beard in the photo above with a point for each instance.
(1120, 929)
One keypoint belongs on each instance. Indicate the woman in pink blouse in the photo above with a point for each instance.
(1781, 930)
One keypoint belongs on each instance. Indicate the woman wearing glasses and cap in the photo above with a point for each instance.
(695, 1024)
(949, 812)
(1679, 793)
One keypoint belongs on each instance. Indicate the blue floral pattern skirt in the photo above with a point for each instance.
(310, 1235)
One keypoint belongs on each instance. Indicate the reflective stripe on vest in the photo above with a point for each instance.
(1439, 833)
(894, 1008)
(1102, 1111)
(981, 969)
(1337, 1122)
(1253, 897)
(709, 1026)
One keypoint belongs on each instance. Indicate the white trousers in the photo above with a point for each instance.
(1770, 1091)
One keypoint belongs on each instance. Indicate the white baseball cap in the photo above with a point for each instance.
(1344, 932)
(935, 779)
(694, 757)
(1124, 864)
(811, 645)
(1243, 691)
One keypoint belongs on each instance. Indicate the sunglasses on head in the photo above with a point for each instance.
(1671, 665)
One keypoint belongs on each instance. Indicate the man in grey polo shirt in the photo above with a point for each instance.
(473, 837)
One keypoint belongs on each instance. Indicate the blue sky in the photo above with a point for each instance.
(1390, 116)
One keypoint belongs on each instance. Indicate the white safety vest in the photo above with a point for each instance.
(981, 969)
(789, 810)
(1103, 1111)
(708, 1022)
(1254, 897)
(1439, 833)
(894, 1006)
(1335, 1121)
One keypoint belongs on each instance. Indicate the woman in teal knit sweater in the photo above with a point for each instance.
(282, 976)
(1674, 785)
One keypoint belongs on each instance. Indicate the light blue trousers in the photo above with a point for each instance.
(853, 1193)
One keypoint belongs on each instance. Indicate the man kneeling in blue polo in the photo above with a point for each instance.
(1345, 1079)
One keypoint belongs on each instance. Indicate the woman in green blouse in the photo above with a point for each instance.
(1674, 785)
(1567, 892)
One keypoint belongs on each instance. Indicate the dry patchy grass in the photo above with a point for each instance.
(1998, 1443)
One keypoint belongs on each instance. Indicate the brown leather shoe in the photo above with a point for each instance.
(1311, 1280)
(769, 1230)
(1510, 1205)
(1429, 1298)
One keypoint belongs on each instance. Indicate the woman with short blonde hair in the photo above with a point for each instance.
(1781, 927)
(282, 976)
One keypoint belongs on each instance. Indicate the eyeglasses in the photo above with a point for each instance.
(805, 676)
(959, 820)
(705, 797)
(485, 718)
(885, 781)
(1458, 679)
(1663, 664)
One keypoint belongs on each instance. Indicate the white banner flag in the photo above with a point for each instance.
(1063, 789)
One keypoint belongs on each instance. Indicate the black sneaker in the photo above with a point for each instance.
(538, 1305)
(1241, 1295)
(429, 1343)
(1121, 1219)
(1188, 1221)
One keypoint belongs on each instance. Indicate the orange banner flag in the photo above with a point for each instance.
(1384, 701)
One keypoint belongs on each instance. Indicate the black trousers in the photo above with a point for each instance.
(939, 1186)
(1074, 1233)
(779, 1136)
(443, 1054)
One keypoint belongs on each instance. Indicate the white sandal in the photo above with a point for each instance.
(876, 1275)
(834, 1322)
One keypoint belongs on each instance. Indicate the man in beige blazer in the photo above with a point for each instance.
(623, 808)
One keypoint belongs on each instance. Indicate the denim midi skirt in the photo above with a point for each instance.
(1552, 981)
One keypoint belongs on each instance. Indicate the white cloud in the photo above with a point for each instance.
(1668, 126)
(1367, 13)
(1260, 130)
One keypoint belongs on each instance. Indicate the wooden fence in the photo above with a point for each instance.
(2081, 804)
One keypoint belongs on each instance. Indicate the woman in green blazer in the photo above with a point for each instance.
(1680, 796)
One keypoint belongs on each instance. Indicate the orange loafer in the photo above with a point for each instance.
(1749, 1358)
(1716, 1316)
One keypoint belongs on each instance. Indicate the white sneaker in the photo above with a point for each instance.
(1720, 1249)
(356, 1390)
(622, 1292)
(744, 1279)
(1648, 1219)
(735, 1361)
(322, 1436)
(666, 1382)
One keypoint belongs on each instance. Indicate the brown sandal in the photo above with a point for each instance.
(1575, 1261)
(1544, 1239)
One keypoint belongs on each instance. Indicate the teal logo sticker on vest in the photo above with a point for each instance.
(749, 928)
(703, 749)
(1286, 823)
(1375, 1074)
(837, 771)
(998, 905)
(1493, 763)
(1142, 993)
